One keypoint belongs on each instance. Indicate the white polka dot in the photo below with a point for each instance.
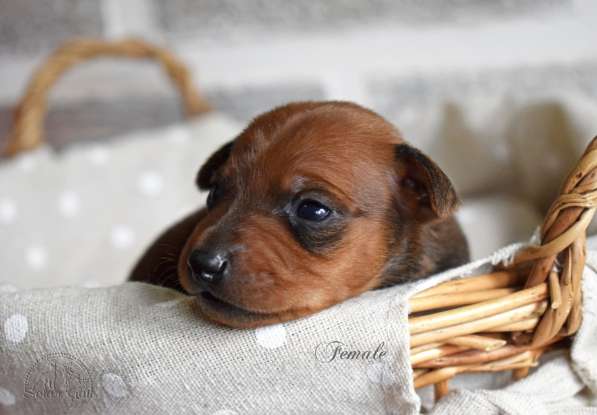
(91, 284)
(8, 211)
(150, 183)
(122, 236)
(36, 257)
(379, 373)
(178, 136)
(26, 163)
(225, 412)
(271, 337)
(69, 204)
(98, 155)
(114, 385)
(8, 288)
(6, 397)
(465, 215)
(15, 328)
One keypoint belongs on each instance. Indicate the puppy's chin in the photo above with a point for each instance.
(224, 313)
(220, 312)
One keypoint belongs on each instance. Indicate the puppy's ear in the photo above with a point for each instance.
(425, 190)
(207, 171)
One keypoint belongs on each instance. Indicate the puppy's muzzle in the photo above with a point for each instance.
(209, 267)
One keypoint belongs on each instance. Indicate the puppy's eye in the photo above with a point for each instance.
(312, 210)
(214, 195)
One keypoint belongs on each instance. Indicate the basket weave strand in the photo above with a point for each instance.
(29, 113)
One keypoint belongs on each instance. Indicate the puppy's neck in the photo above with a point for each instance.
(425, 249)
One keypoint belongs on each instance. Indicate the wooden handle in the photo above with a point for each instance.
(30, 112)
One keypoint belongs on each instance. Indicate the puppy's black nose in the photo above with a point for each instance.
(208, 266)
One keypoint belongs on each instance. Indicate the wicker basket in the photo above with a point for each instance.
(506, 319)
(500, 321)
(30, 112)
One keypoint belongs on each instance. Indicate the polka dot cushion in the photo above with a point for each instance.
(141, 349)
(84, 216)
(136, 348)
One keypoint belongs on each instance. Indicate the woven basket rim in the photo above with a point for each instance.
(505, 320)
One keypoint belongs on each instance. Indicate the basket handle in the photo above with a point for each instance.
(30, 112)
(560, 258)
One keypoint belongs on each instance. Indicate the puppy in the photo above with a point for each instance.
(313, 203)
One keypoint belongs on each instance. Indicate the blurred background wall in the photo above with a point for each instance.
(249, 55)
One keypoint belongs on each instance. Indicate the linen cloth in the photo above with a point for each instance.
(136, 348)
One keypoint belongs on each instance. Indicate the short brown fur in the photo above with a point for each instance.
(393, 216)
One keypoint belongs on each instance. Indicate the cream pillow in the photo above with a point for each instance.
(85, 216)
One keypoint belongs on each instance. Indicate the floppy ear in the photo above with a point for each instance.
(425, 189)
(206, 172)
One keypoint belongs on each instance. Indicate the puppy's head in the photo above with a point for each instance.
(310, 205)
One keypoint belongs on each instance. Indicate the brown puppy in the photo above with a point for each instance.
(313, 203)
